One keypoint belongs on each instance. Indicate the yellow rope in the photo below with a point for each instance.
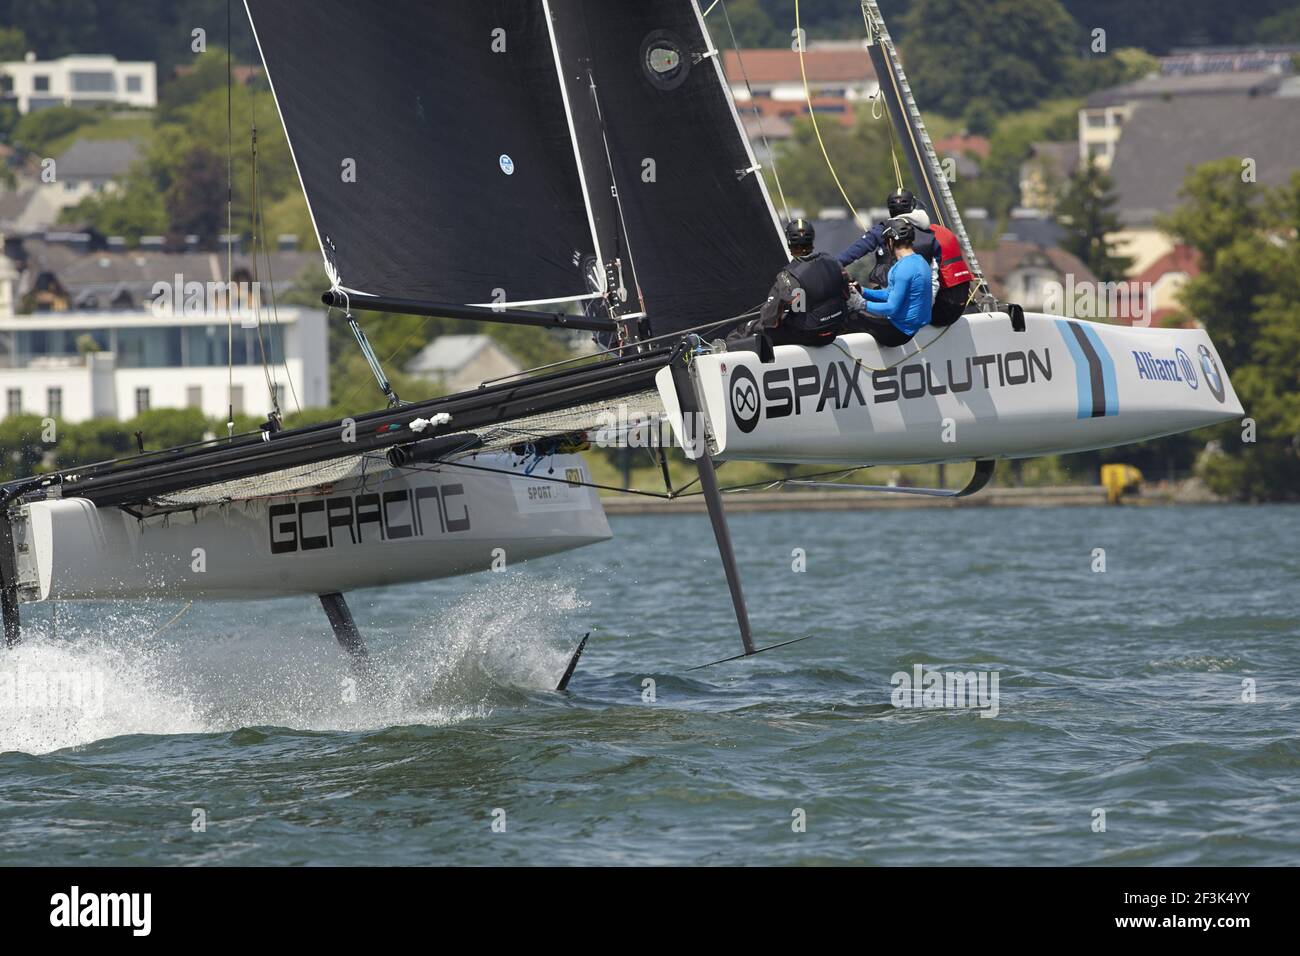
(919, 349)
(812, 114)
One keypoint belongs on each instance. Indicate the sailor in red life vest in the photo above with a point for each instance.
(954, 279)
(952, 276)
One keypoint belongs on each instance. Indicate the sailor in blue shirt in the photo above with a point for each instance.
(896, 313)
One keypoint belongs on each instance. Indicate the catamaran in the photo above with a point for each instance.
(568, 164)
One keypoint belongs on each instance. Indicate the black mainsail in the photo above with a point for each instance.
(433, 147)
(515, 153)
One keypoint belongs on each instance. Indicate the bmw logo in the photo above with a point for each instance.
(1187, 368)
(1210, 368)
(744, 399)
(507, 165)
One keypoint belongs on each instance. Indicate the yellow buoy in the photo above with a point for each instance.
(1120, 480)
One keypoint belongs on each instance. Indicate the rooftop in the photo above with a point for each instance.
(998, 262)
(97, 159)
(1241, 84)
(448, 353)
(1164, 140)
(781, 65)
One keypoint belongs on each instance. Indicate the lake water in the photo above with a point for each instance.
(1159, 698)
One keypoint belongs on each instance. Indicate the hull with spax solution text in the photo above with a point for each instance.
(977, 390)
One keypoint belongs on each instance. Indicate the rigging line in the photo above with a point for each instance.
(270, 277)
(230, 227)
(275, 314)
(515, 474)
(405, 342)
(919, 349)
(591, 355)
(889, 127)
(812, 115)
(917, 151)
(776, 173)
(256, 297)
(435, 466)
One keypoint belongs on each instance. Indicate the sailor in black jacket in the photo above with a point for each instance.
(808, 303)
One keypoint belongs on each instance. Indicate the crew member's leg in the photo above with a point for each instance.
(949, 304)
(886, 334)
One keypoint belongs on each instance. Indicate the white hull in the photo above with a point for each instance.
(978, 390)
(390, 528)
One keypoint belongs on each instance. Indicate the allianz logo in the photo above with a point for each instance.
(1177, 369)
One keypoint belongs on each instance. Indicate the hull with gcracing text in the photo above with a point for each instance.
(388, 528)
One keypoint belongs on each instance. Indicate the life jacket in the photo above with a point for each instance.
(821, 278)
(952, 266)
(925, 244)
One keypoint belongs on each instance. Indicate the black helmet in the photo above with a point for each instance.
(800, 232)
(900, 230)
(900, 201)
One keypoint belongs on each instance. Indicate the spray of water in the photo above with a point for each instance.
(230, 666)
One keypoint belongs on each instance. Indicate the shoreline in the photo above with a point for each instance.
(830, 500)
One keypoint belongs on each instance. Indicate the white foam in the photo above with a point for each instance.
(229, 666)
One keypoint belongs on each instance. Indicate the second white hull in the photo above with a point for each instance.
(389, 528)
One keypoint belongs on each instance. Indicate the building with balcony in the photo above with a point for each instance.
(34, 84)
(114, 334)
(80, 365)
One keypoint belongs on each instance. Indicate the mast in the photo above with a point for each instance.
(921, 158)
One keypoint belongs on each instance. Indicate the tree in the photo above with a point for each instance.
(180, 188)
(859, 153)
(752, 26)
(1248, 298)
(13, 44)
(132, 211)
(1097, 71)
(1011, 53)
(196, 197)
(997, 188)
(35, 132)
(1160, 25)
(1282, 27)
(1086, 213)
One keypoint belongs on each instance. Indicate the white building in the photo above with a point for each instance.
(80, 81)
(79, 365)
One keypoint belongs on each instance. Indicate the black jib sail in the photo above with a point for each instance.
(433, 146)
(703, 236)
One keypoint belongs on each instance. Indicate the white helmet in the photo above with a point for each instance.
(918, 217)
